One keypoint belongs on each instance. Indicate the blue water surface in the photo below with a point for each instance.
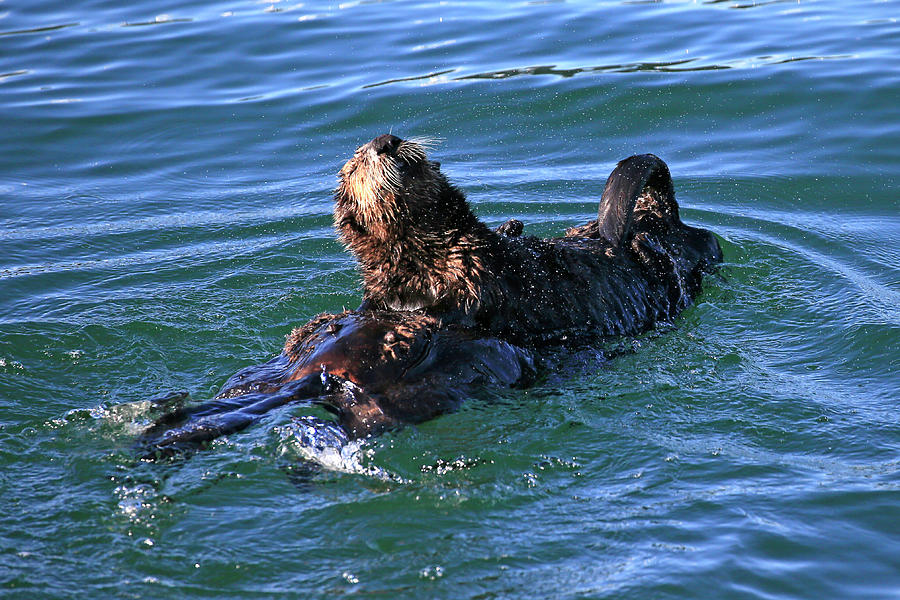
(165, 195)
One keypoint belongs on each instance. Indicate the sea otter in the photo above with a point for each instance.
(421, 248)
(450, 305)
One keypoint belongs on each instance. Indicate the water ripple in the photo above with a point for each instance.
(676, 66)
(4, 76)
(171, 226)
(173, 221)
(43, 29)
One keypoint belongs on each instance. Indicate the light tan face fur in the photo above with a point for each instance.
(372, 180)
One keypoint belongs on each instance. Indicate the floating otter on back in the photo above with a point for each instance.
(450, 305)
(420, 247)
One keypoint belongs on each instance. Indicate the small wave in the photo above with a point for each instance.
(306, 439)
(152, 258)
(200, 218)
(39, 29)
(159, 20)
(434, 77)
(563, 72)
(874, 294)
(664, 66)
(734, 4)
(325, 444)
(5, 76)
(674, 66)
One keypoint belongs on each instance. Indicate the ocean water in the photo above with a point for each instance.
(165, 193)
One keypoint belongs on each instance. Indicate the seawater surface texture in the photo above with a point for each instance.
(165, 193)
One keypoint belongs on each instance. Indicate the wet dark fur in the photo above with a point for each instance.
(420, 247)
(450, 305)
(374, 370)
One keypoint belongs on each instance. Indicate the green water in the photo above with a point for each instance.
(165, 195)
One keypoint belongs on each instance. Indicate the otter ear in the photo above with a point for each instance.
(436, 164)
(625, 185)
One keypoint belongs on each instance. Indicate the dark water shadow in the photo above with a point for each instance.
(39, 29)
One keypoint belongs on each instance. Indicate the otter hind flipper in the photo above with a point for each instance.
(639, 214)
(644, 179)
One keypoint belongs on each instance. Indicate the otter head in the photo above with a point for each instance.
(411, 230)
(390, 181)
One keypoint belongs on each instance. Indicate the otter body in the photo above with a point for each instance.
(450, 304)
(420, 247)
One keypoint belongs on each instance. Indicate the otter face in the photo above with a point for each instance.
(384, 179)
(412, 232)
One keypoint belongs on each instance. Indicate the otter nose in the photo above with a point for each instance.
(385, 143)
